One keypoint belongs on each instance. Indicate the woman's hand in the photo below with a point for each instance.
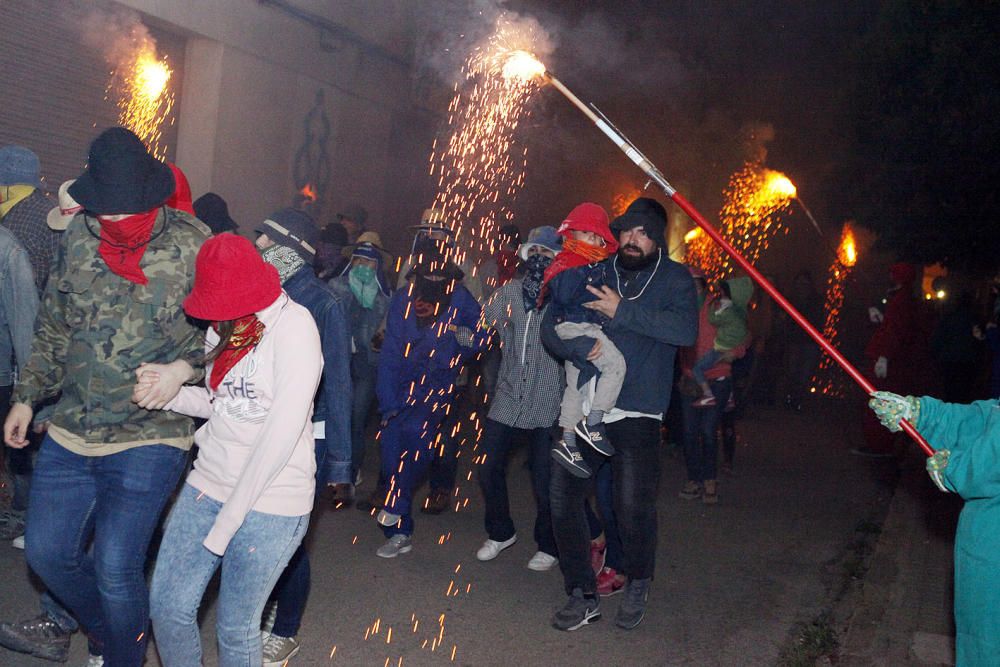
(158, 384)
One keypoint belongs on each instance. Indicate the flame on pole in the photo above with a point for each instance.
(140, 87)
(827, 381)
(636, 156)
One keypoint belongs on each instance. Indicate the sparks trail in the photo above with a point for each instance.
(828, 380)
(139, 87)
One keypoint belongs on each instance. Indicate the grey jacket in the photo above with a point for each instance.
(18, 306)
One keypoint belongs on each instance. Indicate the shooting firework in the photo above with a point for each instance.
(828, 380)
(755, 200)
(140, 89)
(481, 168)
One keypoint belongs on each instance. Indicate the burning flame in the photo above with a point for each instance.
(692, 235)
(522, 66)
(621, 201)
(847, 253)
(777, 185)
(151, 77)
(140, 88)
(308, 192)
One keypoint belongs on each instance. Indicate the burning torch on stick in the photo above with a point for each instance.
(525, 65)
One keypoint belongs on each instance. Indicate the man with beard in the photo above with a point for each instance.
(650, 301)
(432, 328)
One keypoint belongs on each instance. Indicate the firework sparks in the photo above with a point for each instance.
(828, 380)
(755, 200)
(140, 89)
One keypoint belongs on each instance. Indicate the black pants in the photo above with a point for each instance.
(497, 442)
(635, 467)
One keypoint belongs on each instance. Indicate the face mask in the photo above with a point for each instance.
(363, 274)
(531, 282)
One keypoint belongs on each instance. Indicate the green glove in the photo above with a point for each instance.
(892, 408)
(935, 468)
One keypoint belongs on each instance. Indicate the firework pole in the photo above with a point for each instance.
(650, 170)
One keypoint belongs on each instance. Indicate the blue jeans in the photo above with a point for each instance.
(363, 386)
(114, 501)
(253, 561)
(496, 444)
(704, 363)
(701, 441)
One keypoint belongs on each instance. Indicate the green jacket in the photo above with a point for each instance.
(94, 328)
(731, 324)
(972, 433)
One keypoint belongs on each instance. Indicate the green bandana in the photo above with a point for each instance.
(363, 285)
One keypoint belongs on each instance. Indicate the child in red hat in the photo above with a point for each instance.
(580, 265)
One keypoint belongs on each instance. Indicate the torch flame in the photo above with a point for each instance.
(522, 66)
(151, 76)
(692, 235)
(778, 185)
(309, 192)
(847, 253)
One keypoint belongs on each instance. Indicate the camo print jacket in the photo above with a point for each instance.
(94, 328)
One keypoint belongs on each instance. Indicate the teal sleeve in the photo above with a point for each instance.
(972, 433)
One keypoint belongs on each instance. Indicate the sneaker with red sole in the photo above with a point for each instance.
(609, 582)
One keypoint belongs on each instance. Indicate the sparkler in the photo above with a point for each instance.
(826, 381)
(633, 153)
(140, 88)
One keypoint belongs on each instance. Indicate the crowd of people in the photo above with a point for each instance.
(137, 326)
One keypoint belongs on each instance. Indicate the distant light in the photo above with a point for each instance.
(941, 294)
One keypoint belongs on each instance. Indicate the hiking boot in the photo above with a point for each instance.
(596, 436)
(40, 636)
(397, 544)
(11, 524)
(437, 502)
(491, 548)
(342, 496)
(610, 582)
(691, 491)
(633, 607)
(542, 562)
(277, 650)
(569, 457)
(579, 611)
(710, 496)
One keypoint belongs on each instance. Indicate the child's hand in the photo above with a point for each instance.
(723, 304)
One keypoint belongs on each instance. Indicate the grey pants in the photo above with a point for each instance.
(611, 365)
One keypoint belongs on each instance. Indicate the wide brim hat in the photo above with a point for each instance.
(231, 280)
(59, 218)
(434, 263)
(213, 210)
(122, 177)
(372, 239)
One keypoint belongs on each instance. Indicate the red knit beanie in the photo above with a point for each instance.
(231, 280)
(589, 217)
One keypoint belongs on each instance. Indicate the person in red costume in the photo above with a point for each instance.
(892, 354)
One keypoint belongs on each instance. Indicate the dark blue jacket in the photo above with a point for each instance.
(567, 292)
(647, 329)
(333, 399)
(419, 361)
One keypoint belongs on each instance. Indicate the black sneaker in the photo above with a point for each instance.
(596, 436)
(569, 457)
(579, 611)
(633, 607)
(40, 636)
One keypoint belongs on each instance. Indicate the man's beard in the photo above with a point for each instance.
(638, 262)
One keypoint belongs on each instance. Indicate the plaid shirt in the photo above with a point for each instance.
(27, 221)
(530, 382)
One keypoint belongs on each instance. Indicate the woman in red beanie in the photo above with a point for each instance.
(245, 505)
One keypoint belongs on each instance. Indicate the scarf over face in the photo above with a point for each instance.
(247, 332)
(124, 242)
(283, 258)
(573, 254)
(531, 281)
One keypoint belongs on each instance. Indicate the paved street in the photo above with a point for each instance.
(733, 581)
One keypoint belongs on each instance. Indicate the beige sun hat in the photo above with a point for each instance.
(60, 217)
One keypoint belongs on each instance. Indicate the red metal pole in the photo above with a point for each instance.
(792, 312)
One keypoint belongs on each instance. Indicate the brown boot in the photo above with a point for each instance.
(342, 496)
(436, 503)
(710, 496)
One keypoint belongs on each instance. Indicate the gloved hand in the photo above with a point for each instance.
(891, 408)
(881, 368)
(875, 315)
(935, 468)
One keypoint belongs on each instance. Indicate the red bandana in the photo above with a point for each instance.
(506, 266)
(247, 332)
(123, 243)
(574, 253)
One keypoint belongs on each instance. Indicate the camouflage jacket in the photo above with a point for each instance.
(94, 328)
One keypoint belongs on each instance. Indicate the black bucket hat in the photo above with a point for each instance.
(213, 210)
(121, 176)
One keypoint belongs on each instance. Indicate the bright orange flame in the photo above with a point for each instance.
(621, 201)
(151, 76)
(777, 184)
(692, 235)
(309, 192)
(522, 65)
(847, 253)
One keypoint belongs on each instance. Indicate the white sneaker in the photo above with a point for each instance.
(397, 544)
(278, 650)
(18, 542)
(491, 548)
(94, 661)
(387, 519)
(542, 562)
